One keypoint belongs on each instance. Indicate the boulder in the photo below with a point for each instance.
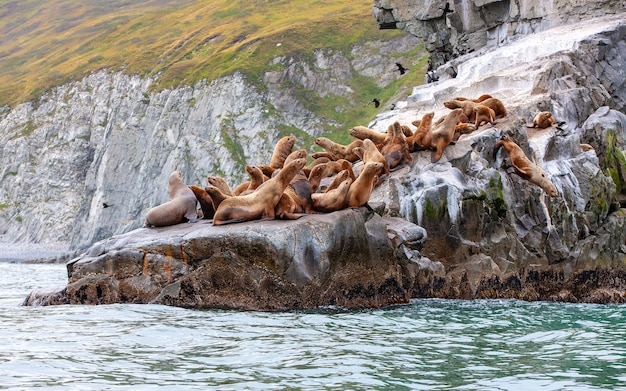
(351, 258)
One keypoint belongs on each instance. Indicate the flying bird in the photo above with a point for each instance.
(401, 68)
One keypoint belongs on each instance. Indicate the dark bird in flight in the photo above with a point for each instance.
(401, 68)
(105, 205)
(376, 102)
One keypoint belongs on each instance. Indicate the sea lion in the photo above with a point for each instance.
(299, 154)
(180, 208)
(466, 105)
(323, 155)
(296, 198)
(267, 169)
(259, 204)
(369, 153)
(335, 166)
(295, 201)
(256, 179)
(315, 176)
(477, 100)
(396, 150)
(339, 151)
(216, 195)
(337, 179)
(463, 128)
(423, 136)
(524, 167)
(361, 189)
(361, 132)
(332, 200)
(205, 200)
(496, 105)
(443, 134)
(282, 150)
(543, 119)
(406, 131)
(319, 161)
(483, 114)
(221, 184)
(586, 147)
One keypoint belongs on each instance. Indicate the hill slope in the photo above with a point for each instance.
(46, 43)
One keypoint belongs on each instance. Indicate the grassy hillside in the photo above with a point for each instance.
(44, 43)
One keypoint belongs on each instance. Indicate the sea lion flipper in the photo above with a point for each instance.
(521, 173)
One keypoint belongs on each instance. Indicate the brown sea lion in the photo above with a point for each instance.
(483, 114)
(443, 134)
(586, 147)
(267, 169)
(361, 189)
(396, 150)
(334, 199)
(315, 176)
(294, 202)
(477, 100)
(466, 105)
(496, 105)
(296, 198)
(406, 131)
(338, 151)
(361, 132)
(524, 167)
(221, 184)
(369, 153)
(323, 155)
(335, 166)
(216, 195)
(299, 154)
(259, 204)
(256, 179)
(463, 128)
(205, 200)
(337, 179)
(282, 150)
(181, 207)
(423, 135)
(543, 119)
(315, 162)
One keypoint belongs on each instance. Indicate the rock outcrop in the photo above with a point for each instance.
(88, 159)
(452, 28)
(351, 258)
(464, 227)
(483, 221)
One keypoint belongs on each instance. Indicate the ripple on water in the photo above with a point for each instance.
(498, 344)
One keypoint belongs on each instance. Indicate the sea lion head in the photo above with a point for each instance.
(450, 104)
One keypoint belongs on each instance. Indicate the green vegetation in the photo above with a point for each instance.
(615, 162)
(496, 197)
(181, 41)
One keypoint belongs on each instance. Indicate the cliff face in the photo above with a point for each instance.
(453, 28)
(89, 158)
(484, 222)
(469, 226)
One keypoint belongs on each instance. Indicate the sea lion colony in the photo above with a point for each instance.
(287, 189)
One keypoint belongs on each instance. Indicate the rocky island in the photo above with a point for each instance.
(464, 227)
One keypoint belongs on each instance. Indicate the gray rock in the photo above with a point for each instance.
(340, 259)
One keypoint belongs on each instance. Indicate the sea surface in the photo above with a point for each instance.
(428, 344)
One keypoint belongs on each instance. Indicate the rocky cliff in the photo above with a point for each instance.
(489, 232)
(453, 28)
(465, 227)
(88, 159)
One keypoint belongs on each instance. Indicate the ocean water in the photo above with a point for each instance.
(428, 344)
